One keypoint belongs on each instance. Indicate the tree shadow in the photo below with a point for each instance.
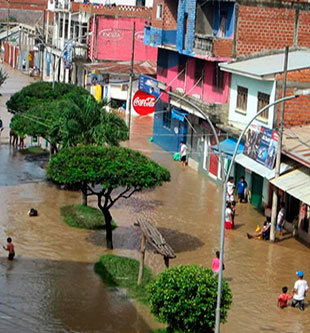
(129, 238)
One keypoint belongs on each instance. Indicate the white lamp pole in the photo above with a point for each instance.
(220, 276)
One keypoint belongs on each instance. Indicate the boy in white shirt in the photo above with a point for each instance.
(300, 289)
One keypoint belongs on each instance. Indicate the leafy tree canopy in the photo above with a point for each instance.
(111, 167)
(185, 297)
(67, 115)
(42, 92)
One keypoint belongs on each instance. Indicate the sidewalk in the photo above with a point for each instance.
(15, 82)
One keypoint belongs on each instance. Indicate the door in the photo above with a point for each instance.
(240, 171)
(214, 162)
(257, 190)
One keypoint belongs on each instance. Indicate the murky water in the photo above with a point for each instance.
(51, 287)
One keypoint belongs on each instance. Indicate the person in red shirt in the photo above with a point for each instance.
(283, 298)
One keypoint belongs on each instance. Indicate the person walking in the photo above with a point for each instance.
(299, 291)
(10, 248)
(183, 153)
(216, 263)
(241, 188)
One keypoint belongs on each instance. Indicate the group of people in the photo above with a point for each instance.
(14, 140)
(230, 200)
(299, 293)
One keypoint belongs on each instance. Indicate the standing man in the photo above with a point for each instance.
(300, 289)
(281, 218)
(241, 188)
(230, 190)
(183, 153)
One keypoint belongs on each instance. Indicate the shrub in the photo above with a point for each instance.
(84, 217)
(123, 272)
(184, 297)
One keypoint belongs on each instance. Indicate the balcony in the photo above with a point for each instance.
(203, 44)
(159, 37)
(212, 46)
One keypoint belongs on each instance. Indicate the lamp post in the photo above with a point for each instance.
(220, 276)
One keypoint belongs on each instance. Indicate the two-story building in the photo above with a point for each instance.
(193, 38)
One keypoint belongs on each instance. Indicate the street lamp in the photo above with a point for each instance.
(220, 275)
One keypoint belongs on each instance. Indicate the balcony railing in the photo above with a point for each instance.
(204, 44)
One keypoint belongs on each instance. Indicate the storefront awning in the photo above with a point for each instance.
(178, 114)
(228, 147)
(258, 168)
(296, 183)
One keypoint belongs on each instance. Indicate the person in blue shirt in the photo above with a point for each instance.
(241, 187)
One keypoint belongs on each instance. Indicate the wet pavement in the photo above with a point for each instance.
(51, 287)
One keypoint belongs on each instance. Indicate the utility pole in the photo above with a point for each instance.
(274, 209)
(131, 77)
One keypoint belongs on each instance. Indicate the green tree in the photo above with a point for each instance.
(67, 115)
(110, 173)
(184, 297)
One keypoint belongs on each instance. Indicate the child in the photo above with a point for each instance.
(216, 263)
(283, 298)
(10, 248)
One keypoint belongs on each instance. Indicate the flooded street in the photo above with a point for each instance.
(51, 287)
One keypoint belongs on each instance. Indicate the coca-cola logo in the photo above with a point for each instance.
(143, 103)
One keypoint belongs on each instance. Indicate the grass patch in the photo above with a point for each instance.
(33, 150)
(84, 217)
(123, 272)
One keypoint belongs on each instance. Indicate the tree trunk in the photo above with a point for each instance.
(84, 195)
(108, 220)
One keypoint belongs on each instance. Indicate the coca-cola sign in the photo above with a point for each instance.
(143, 103)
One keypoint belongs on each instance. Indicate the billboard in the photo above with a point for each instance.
(261, 145)
(148, 85)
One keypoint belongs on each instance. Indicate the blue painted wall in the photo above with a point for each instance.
(156, 37)
(186, 7)
(164, 136)
(167, 59)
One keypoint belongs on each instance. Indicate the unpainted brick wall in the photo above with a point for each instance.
(262, 28)
(223, 48)
(297, 111)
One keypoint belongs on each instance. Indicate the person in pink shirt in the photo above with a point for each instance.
(216, 263)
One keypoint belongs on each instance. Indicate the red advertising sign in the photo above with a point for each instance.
(143, 103)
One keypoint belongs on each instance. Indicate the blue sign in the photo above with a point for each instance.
(149, 85)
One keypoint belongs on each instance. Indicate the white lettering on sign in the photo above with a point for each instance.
(111, 33)
(147, 102)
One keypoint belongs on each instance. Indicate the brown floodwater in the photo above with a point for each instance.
(51, 286)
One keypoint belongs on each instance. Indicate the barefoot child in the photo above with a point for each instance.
(283, 298)
(10, 248)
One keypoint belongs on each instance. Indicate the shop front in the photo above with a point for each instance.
(293, 189)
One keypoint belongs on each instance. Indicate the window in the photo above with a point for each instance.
(242, 98)
(159, 11)
(199, 69)
(263, 100)
(167, 119)
(218, 77)
(140, 3)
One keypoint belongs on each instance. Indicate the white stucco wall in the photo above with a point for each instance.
(239, 119)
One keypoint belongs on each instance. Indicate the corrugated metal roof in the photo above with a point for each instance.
(123, 67)
(261, 170)
(296, 183)
(268, 65)
(296, 144)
